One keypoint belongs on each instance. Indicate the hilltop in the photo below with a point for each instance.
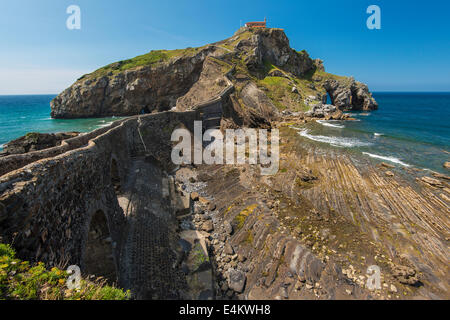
(268, 76)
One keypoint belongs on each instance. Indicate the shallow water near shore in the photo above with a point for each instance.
(408, 130)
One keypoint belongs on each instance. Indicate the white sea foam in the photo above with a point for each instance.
(328, 124)
(391, 159)
(335, 141)
(376, 134)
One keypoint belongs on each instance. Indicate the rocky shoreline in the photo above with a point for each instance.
(298, 235)
(35, 141)
(312, 230)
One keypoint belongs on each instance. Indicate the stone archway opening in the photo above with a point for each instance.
(98, 255)
(115, 177)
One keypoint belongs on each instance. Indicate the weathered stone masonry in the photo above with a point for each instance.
(46, 207)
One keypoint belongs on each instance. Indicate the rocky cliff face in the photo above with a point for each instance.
(269, 76)
(146, 88)
(272, 45)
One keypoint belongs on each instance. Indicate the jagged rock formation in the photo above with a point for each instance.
(350, 95)
(269, 76)
(272, 45)
(35, 141)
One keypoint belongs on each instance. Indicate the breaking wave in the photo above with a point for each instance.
(390, 159)
(335, 141)
(328, 124)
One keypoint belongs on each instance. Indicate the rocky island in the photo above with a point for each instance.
(112, 202)
(267, 73)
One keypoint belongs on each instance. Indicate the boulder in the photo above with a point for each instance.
(228, 249)
(321, 110)
(236, 280)
(194, 196)
(386, 165)
(228, 227)
(208, 226)
(389, 173)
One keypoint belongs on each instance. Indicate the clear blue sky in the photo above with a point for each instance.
(38, 54)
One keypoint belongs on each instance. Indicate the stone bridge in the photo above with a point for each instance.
(101, 201)
(104, 201)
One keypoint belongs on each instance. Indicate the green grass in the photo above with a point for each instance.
(242, 216)
(198, 256)
(228, 44)
(32, 137)
(278, 88)
(19, 280)
(225, 66)
(148, 59)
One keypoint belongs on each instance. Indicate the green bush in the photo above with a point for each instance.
(19, 280)
(6, 250)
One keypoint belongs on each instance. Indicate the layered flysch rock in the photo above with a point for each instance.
(258, 62)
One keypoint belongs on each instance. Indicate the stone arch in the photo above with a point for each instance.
(115, 176)
(98, 254)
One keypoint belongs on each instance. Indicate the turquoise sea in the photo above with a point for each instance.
(408, 129)
(31, 113)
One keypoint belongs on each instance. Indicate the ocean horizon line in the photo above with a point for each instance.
(55, 94)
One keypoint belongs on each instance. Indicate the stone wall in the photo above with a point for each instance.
(16, 161)
(46, 207)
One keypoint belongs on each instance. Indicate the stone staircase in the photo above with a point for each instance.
(211, 115)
